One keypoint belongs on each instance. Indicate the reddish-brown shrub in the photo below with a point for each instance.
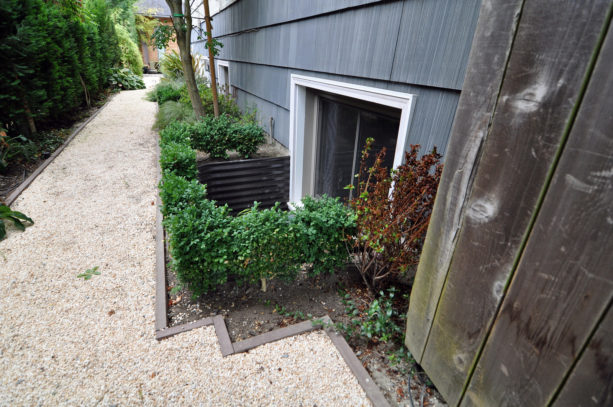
(391, 226)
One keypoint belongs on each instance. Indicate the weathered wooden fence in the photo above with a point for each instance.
(512, 300)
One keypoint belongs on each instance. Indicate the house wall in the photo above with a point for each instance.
(417, 46)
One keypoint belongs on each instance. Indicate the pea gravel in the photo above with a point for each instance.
(69, 341)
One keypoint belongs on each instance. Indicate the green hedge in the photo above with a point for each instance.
(207, 244)
(180, 159)
(47, 50)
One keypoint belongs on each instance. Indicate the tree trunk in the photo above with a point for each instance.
(209, 40)
(182, 22)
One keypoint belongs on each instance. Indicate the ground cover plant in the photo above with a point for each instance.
(16, 218)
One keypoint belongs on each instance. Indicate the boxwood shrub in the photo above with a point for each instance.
(200, 245)
(263, 245)
(179, 158)
(178, 193)
(177, 132)
(324, 223)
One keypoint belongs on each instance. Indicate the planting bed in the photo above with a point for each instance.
(249, 312)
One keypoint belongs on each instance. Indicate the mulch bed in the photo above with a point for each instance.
(249, 312)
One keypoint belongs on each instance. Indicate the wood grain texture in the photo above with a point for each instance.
(493, 38)
(591, 382)
(550, 55)
(564, 282)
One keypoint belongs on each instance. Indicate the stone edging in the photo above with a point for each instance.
(228, 348)
(22, 187)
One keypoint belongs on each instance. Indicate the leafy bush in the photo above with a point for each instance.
(130, 54)
(17, 218)
(53, 59)
(177, 132)
(180, 159)
(172, 112)
(246, 138)
(167, 90)
(213, 136)
(178, 193)
(390, 228)
(227, 105)
(217, 136)
(200, 239)
(15, 148)
(325, 224)
(263, 245)
(380, 321)
(125, 79)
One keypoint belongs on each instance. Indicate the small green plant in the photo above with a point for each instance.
(246, 138)
(172, 111)
(380, 321)
(200, 245)
(88, 274)
(297, 315)
(180, 159)
(17, 218)
(167, 90)
(212, 135)
(123, 78)
(325, 224)
(177, 132)
(263, 245)
(178, 193)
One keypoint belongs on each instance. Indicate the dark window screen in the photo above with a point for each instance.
(342, 133)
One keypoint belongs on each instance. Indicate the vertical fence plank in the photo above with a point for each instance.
(563, 284)
(550, 56)
(591, 382)
(487, 62)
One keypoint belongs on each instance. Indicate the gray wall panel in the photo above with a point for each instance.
(250, 14)
(358, 42)
(266, 110)
(432, 117)
(434, 42)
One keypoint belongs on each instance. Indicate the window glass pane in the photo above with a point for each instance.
(384, 130)
(336, 143)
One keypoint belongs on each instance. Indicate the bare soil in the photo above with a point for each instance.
(248, 312)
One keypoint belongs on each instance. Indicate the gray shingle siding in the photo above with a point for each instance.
(414, 46)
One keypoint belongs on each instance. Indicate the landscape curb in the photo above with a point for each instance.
(12, 197)
(162, 331)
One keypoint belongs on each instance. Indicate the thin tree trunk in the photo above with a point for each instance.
(182, 22)
(209, 39)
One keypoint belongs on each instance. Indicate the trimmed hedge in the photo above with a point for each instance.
(180, 159)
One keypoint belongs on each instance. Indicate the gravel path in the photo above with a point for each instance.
(69, 341)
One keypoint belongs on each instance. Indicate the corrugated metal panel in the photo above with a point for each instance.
(250, 14)
(434, 42)
(358, 42)
(240, 183)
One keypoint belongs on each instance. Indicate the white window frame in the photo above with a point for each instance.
(220, 63)
(298, 100)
